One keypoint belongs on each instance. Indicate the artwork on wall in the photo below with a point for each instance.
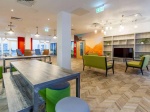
(98, 49)
(93, 42)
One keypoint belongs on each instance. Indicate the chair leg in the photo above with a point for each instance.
(106, 73)
(147, 68)
(83, 68)
(142, 71)
(126, 68)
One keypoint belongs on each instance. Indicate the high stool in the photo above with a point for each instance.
(55, 93)
(72, 104)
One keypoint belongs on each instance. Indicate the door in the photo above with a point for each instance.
(80, 49)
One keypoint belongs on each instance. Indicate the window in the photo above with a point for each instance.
(53, 48)
(40, 44)
(8, 46)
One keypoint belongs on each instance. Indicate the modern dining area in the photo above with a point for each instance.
(35, 83)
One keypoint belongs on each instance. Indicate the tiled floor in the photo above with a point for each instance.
(119, 92)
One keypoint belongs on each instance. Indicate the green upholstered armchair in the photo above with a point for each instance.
(143, 63)
(98, 62)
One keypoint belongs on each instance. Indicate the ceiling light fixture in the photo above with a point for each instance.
(136, 15)
(106, 27)
(135, 24)
(12, 10)
(95, 31)
(48, 19)
(37, 34)
(95, 25)
(5, 37)
(10, 31)
(54, 35)
(110, 27)
(104, 32)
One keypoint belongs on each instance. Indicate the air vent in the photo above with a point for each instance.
(26, 2)
(16, 18)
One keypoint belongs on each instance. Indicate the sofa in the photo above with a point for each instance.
(98, 62)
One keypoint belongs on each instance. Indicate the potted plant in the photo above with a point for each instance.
(108, 43)
(144, 41)
(108, 53)
(141, 55)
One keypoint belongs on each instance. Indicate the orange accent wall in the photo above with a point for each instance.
(21, 44)
(96, 49)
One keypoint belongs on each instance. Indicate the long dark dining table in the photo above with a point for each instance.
(40, 75)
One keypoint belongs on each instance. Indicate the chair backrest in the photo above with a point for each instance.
(27, 52)
(95, 61)
(1, 72)
(19, 53)
(37, 52)
(145, 61)
(46, 52)
(95, 54)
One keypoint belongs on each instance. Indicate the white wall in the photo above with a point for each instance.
(28, 41)
(129, 28)
(92, 39)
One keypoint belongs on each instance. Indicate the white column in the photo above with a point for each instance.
(64, 40)
(28, 41)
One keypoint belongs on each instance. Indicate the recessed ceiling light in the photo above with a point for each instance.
(12, 10)
(48, 19)
(136, 15)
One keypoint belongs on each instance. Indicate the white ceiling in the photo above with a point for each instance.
(38, 14)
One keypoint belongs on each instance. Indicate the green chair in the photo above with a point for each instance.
(53, 94)
(1, 72)
(98, 62)
(143, 63)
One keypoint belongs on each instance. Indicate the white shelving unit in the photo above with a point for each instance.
(140, 42)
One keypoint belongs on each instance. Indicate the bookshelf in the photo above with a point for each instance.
(140, 42)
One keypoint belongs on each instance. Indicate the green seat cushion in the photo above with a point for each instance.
(134, 63)
(109, 65)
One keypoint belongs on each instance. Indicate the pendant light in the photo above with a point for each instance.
(10, 31)
(135, 24)
(54, 35)
(37, 34)
(95, 25)
(5, 37)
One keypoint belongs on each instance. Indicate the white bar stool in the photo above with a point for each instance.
(72, 104)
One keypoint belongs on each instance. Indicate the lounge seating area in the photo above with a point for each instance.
(74, 56)
(142, 63)
(100, 62)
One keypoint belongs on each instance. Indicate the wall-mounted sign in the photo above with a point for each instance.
(100, 9)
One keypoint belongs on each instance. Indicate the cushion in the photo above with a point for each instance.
(134, 63)
(109, 65)
(59, 86)
(72, 104)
